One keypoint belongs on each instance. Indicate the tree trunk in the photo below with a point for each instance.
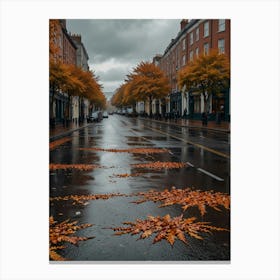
(52, 115)
(205, 99)
(150, 105)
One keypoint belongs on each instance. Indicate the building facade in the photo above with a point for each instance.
(81, 111)
(67, 55)
(196, 37)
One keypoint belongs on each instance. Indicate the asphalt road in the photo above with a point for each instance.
(207, 154)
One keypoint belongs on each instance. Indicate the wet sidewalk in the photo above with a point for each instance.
(60, 130)
(212, 125)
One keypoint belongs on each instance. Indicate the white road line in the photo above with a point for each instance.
(190, 164)
(210, 174)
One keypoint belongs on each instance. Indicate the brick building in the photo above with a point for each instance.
(67, 55)
(196, 37)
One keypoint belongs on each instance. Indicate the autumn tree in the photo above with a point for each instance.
(206, 75)
(147, 82)
(58, 78)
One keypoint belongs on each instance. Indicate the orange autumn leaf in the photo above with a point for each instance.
(125, 175)
(187, 198)
(63, 232)
(167, 228)
(161, 165)
(59, 142)
(83, 199)
(82, 167)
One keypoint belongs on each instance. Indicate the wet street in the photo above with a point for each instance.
(206, 154)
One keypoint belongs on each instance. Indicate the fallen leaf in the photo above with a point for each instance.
(167, 228)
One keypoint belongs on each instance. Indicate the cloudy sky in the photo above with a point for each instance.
(116, 46)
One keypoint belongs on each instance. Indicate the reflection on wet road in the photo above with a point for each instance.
(206, 170)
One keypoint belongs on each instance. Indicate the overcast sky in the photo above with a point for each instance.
(116, 46)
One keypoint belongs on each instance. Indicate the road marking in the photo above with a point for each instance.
(188, 163)
(210, 174)
(192, 143)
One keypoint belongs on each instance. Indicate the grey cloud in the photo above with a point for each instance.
(127, 41)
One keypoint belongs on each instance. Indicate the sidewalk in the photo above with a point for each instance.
(223, 127)
(60, 131)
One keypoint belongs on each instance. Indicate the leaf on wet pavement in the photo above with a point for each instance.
(82, 167)
(83, 199)
(161, 165)
(167, 228)
(125, 175)
(59, 142)
(63, 232)
(187, 198)
(132, 150)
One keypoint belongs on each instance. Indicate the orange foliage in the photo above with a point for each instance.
(206, 75)
(82, 167)
(83, 199)
(147, 81)
(167, 228)
(63, 232)
(59, 142)
(161, 165)
(187, 198)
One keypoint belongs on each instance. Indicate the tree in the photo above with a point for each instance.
(206, 75)
(58, 78)
(147, 82)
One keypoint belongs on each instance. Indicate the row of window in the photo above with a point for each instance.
(221, 48)
(221, 27)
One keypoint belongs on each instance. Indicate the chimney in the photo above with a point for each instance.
(183, 23)
(76, 37)
(63, 23)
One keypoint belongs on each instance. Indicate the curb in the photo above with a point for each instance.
(190, 126)
(63, 134)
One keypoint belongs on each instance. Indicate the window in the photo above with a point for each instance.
(183, 60)
(196, 52)
(206, 48)
(222, 25)
(206, 29)
(221, 45)
(191, 55)
(197, 34)
(184, 44)
(191, 38)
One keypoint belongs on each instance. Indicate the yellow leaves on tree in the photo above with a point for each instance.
(167, 228)
(161, 165)
(187, 198)
(146, 82)
(206, 75)
(63, 232)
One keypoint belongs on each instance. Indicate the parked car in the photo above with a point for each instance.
(94, 116)
(105, 114)
(129, 112)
